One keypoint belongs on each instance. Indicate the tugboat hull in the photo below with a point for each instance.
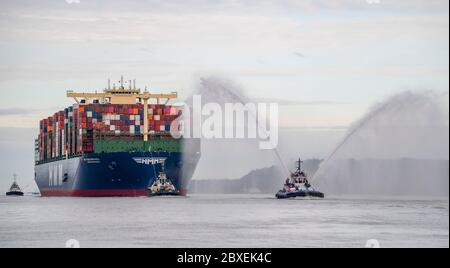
(304, 194)
(165, 193)
(14, 194)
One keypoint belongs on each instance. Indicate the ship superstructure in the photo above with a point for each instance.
(15, 189)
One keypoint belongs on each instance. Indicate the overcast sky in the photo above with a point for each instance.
(342, 55)
(332, 58)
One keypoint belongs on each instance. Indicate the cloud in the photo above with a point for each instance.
(303, 6)
(15, 111)
(146, 50)
(169, 41)
(298, 54)
(299, 103)
(315, 128)
(235, 32)
(289, 8)
(22, 111)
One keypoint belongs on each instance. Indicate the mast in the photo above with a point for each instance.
(14, 186)
(163, 167)
(299, 165)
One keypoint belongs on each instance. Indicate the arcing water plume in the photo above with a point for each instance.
(239, 151)
(214, 89)
(400, 147)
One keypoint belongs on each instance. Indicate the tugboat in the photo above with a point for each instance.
(15, 189)
(297, 185)
(162, 186)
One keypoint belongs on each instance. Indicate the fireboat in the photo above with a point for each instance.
(297, 185)
(163, 186)
(14, 189)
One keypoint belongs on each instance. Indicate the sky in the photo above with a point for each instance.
(326, 61)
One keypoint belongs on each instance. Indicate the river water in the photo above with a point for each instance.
(222, 221)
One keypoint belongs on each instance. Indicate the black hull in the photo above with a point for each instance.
(14, 194)
(165, 193)
(284, 195)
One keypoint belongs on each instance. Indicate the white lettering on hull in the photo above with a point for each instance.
(55, 175)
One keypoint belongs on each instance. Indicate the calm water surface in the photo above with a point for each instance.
(222, 221)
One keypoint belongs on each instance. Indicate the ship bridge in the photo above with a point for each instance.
(122, 95)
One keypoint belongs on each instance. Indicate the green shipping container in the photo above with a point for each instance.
(111, 146)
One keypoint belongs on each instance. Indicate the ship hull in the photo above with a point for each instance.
(113, 174)
(300, 193)
(14, 194)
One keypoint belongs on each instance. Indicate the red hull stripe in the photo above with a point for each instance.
(99, 193)
(183, 192)
(95, 193)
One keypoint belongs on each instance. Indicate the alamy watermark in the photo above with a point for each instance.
(228, 121)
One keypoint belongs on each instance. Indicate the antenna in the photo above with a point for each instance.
(134, 83)
(300, 164)
(109, 83)
(130, 84)
(121, 82)
(15, 177)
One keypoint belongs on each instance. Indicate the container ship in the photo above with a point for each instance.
(113, 143)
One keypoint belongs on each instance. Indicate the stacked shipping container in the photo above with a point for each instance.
(73, 130)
